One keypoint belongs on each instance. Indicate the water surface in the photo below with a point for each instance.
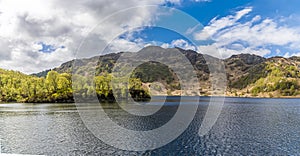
(246, 126)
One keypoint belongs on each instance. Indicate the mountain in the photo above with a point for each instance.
(244, 65)
(274, 77)
(247, 74)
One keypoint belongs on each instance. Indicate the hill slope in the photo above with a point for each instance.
(248, 75)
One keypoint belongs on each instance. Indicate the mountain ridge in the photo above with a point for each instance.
(243, 73)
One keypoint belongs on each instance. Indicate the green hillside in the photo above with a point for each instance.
(248, 75)
(57, 87)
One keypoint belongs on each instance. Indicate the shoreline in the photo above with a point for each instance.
(252, 97)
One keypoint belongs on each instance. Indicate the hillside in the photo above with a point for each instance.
(57, 87)
(18, 87)
(274, 77)
(248, 75)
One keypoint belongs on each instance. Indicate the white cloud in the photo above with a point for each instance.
(125, 45)
(63, 23)
(224, 52)
(257, 34)
(216, 25)
(288, 54)
(180, 43)
(278, 51)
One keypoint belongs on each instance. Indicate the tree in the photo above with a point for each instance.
(51, 81)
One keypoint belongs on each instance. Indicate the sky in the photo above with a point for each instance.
(37, 35)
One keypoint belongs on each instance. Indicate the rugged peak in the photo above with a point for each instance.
(151, 47)
(249, 59)
(296, 58)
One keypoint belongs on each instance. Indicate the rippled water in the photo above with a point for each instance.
(246, 126)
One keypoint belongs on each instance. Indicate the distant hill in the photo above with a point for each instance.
(248, 75)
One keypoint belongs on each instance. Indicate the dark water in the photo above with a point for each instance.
(245, 127)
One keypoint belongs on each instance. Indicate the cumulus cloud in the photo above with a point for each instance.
(180, 43)
(24, 24)
(253, 36)
(288, 54)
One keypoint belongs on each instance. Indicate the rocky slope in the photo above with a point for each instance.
(247, 74)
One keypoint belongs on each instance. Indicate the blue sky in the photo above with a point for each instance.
(48, 48)
(282, 15)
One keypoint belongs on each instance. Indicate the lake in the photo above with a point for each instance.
(246, 126)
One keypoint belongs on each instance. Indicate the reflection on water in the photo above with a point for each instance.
(245, 126)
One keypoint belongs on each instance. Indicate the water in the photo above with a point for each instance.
(245, 127)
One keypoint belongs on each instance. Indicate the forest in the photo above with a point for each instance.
(57, 87)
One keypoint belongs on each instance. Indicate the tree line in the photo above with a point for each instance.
(57, 87)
